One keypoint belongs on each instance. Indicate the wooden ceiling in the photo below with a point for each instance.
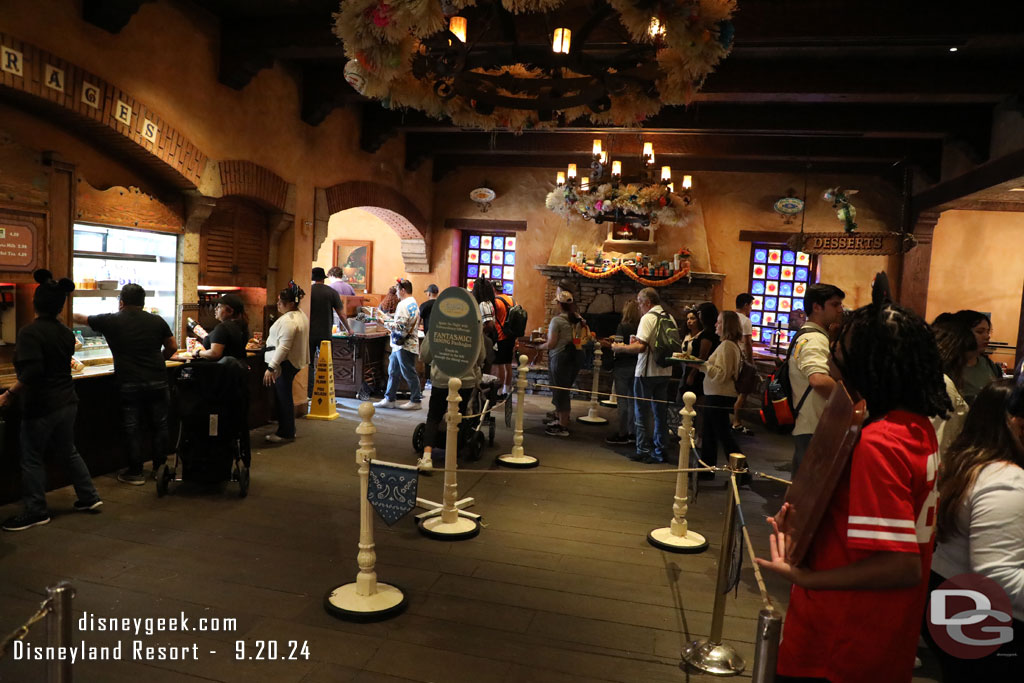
(861, 86)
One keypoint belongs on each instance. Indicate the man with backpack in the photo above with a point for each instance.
(655, 341)
(510, 324)
(808, 371)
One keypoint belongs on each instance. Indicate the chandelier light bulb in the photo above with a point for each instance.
(649, 150)
(671, 187)
(666, 173)
(560, 45)
(687, 182)
(457, 25)
(655, 29)
(597, 148)
(571, 171)
(616, 168)
(560, 179)
(604, 157)
(585, 183)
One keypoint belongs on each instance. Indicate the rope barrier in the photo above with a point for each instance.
(693, 449)
(765, 598)
(489, 410)
(634, 398)
(45, 607)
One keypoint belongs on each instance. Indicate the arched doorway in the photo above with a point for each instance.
(367, 242)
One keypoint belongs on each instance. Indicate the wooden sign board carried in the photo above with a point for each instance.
(822, 467)
(852, 244)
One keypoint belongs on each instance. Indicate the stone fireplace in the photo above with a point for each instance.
(605, 297)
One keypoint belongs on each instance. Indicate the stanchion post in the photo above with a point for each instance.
(766, 646)
(366, 599)
(592, 417)
(712, 655)
(58, 631)
(450, 525)
(677, 537)
(518, 458)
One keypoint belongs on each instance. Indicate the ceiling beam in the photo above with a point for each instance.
(946, 194)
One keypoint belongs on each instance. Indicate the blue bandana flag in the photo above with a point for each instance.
(392, 490)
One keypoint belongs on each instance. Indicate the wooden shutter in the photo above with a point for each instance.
(233, 245)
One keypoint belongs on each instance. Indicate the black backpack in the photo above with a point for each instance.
(665, 341)
(515, 321)
(777, 410)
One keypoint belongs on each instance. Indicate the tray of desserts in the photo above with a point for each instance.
(680, 357)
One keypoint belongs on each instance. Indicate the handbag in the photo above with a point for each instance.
(747, 381)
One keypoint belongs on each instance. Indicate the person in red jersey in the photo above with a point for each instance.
(857, 600)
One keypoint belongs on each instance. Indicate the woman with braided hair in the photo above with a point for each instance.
(859, 596)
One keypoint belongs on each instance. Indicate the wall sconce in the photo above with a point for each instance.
(560, 179)
(560, 44)
(457, 25)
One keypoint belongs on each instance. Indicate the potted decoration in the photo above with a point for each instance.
(679, 257)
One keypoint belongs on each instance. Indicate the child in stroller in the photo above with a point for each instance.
(429, 435)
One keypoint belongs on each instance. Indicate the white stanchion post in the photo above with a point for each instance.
(366, 599)
(677, 537)
(592, 417)
(712, 655)
(452, 524)
(518, 458)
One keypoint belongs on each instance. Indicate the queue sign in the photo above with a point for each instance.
(455, 333)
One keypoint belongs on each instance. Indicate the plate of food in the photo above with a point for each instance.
(686, 357)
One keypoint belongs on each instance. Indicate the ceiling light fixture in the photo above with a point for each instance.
(613, 62)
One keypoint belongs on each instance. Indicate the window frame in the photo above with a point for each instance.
(811, 279)
(464, 263)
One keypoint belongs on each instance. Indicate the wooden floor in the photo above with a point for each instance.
(560, 585)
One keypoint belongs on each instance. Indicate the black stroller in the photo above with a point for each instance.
(212, 399)
(471, 436)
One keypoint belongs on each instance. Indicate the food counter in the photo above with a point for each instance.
(99, 435)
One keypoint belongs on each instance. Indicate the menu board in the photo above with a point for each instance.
(17, 245)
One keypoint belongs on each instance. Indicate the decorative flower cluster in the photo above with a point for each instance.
(654, 201)
(381, 38)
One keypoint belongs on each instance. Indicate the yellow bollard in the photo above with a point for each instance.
(322, 407)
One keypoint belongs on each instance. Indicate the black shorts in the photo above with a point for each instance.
(506, 349)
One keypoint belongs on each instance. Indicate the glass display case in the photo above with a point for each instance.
(104, 260)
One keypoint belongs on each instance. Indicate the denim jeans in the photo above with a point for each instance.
(143, 405)
(403, 363)
(285, 403)
(51, 433)
(624, 387)
(655, 388)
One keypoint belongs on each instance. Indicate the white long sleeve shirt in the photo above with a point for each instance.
(289, 335)
(990, 537)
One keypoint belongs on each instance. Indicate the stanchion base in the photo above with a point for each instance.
(692, 542)
(609, 403)
(345, 603)
(522, 462)
(591, 419)
(719, 659)
(459, 530)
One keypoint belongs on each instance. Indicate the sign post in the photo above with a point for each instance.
(455, 338)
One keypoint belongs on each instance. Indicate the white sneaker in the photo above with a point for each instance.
(384, 403)
(409, 405)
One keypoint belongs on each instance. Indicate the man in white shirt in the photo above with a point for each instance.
(405, 347)
(744, 302)
(650, 380)
(808, 363)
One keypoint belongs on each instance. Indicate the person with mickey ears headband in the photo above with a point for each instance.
(42, 360)
(287, 354)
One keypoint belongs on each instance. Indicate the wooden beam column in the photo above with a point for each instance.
(917, 263)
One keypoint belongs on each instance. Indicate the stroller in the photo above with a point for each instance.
(212, 400)
(471, 437)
